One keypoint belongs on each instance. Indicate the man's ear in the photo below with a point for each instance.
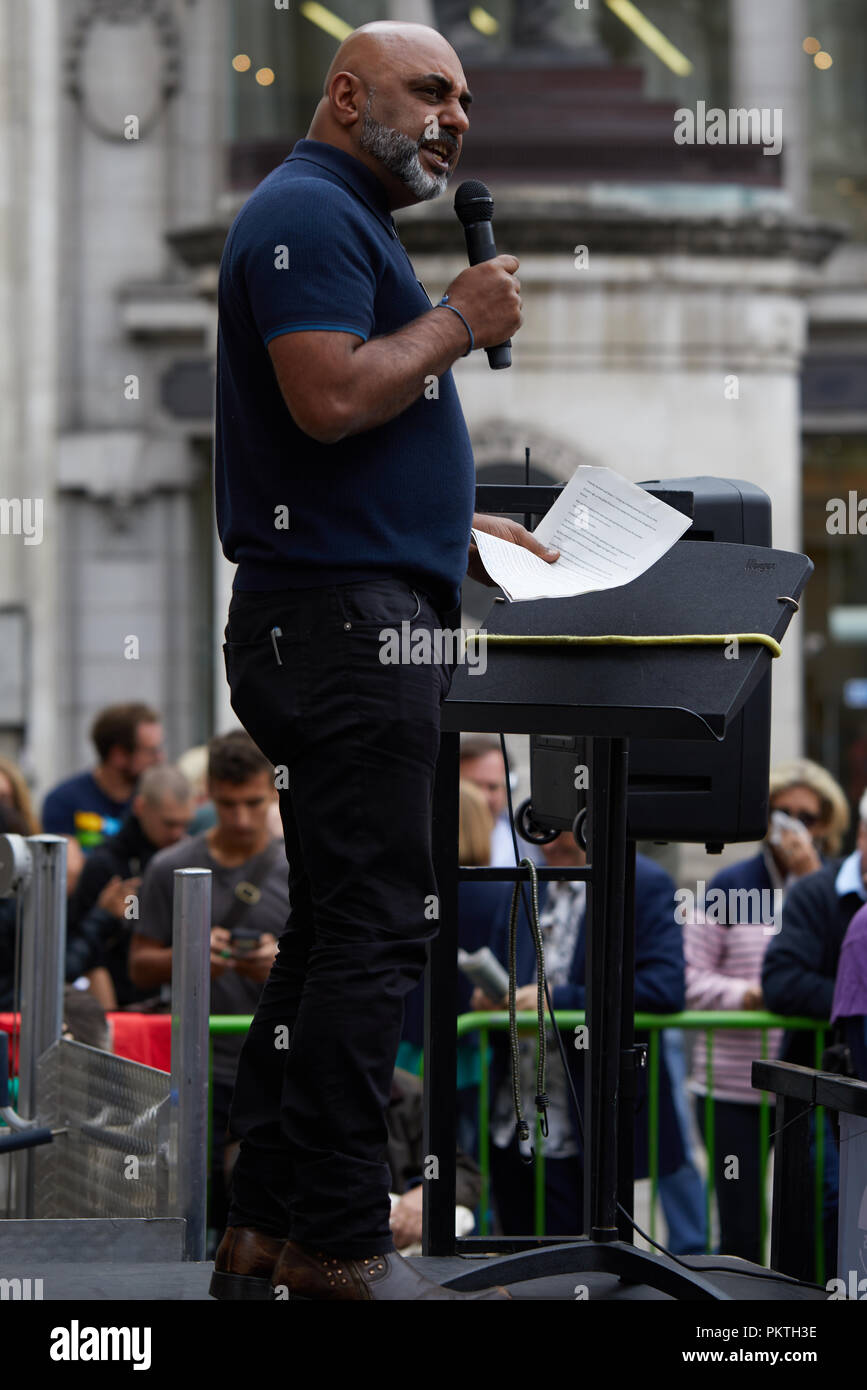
(346, 98)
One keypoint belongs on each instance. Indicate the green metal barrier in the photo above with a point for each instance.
(709, 1021)
(568, 1020)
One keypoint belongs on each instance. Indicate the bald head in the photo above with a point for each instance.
(369, 50)
(396, 98)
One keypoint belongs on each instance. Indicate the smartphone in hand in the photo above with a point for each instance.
(245, 940)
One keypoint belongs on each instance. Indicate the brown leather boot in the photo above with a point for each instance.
(244, 1263)
(302, 1273)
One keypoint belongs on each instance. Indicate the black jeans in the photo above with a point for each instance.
(357, 739)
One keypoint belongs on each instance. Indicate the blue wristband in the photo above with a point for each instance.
(444, 304)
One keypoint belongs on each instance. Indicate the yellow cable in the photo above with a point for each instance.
(705, 638)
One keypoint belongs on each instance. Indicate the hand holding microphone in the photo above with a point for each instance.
(488, 294)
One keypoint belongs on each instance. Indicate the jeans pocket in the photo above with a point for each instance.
(378, 603)
(269, 680)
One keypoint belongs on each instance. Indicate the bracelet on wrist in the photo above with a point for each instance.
(444, 304)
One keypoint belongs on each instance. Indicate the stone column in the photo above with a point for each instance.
(29, 253)
(768, 68)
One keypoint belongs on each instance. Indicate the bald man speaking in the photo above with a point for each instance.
(344, 491)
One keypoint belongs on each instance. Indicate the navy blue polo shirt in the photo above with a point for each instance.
(315, 247)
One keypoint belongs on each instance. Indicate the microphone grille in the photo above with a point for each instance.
(473, 202)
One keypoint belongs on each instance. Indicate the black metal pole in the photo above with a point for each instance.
(628, 1072)
(440, 1010)
(605, 912)
(793, 1224)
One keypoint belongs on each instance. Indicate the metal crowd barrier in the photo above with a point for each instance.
(124, 1174)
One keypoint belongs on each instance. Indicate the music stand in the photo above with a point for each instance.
(609, 694)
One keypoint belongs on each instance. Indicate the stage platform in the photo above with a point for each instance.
(178, 1282)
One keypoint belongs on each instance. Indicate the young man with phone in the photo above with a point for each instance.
(249, 906)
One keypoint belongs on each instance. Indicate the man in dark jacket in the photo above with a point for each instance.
(800, 969)
(102, 909)
(849, 1010)
(800, 964)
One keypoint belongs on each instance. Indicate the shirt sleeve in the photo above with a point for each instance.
(313, 267)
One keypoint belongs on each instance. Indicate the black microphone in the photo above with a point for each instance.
(475, 209)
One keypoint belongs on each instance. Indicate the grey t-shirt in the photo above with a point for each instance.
(230, 993)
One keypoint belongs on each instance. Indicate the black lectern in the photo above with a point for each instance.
(608, 694)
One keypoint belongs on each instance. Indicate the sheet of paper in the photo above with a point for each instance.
(608, 532)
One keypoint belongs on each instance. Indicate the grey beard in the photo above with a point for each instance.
(400, 155)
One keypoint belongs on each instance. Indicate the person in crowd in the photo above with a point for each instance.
(100, 920)
(481, 907)
(83, 1017)
(800, 969)
(11, 823)
(659, 988)
(482, 764)
(194, 765)
(807, 793)
(849, 1005)
(249, 906)
(90, 806)
(15, 793)
(683, 1194)
(800, 964)
(724, 960)
(407, 1161)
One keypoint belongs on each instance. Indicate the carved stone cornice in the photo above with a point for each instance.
(538, 221)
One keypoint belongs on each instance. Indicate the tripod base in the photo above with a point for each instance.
(598, 1257)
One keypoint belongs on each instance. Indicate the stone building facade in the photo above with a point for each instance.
(110, 236)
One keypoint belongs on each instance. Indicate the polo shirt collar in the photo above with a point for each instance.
(849, 878)
(354, 174)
